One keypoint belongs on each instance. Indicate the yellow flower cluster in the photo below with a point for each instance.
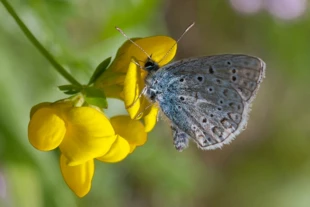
(83, 133)
(125, 80)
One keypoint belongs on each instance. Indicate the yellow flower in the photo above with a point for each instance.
(131, 129)
(125, 80)
(82, 134)
(85, 133)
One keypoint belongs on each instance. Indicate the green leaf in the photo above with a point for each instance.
(71, 92)
(95, 96)
(99, 70)
(70, 89)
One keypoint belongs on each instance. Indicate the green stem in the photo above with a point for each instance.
(38, 45)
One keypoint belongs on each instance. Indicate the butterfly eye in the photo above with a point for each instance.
(233, 70)
(151, 65)
(228, 63)
(148, 65)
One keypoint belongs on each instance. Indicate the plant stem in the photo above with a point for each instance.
(38, 45)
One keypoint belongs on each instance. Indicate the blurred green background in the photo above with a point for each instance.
(267, 165)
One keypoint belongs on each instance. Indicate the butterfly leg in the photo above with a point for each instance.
(180, 138)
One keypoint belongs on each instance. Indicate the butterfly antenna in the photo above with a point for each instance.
(187, 29)
(121, 31)
(136, 63)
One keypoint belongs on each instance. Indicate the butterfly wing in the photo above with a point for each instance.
(208, 98)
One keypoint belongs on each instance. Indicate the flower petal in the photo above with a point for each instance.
(111, 83)
(132, 89)
(119, 150)
(135, 103)
(132, 147)
(115, 74)
(89, 135)
(123, 57)
(131, 130)
(156, 46)
(38, 106)
(78, 177)
(46, 129)
(150, 119)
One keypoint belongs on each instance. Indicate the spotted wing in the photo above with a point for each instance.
(209, 98)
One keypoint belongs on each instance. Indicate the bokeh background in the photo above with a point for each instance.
(267, 165)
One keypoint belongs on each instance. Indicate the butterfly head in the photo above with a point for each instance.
(151, 65)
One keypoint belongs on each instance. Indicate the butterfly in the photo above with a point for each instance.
(206, 99)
